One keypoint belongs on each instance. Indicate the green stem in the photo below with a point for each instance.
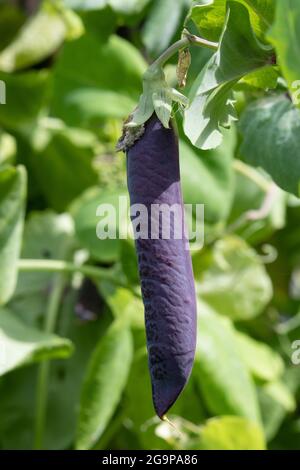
(252, 174)
(59, 266)
(186, 40)
(44, 368)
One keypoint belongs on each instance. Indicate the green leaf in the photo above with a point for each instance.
(271, 130)
(120, 6)
(161, 24)
(17, 400)
(285, 36)
(103, 384)
(209, 16)
(221, 374)
(207, 113)
(87, 106)
(123, 303)
(276, 401)
(39, 37)
(231, 433)
(62, 162)
(11, 19)
(235, 283)
(90, 68)
(212, 105)
(12, 201)
(129, 261)
(282, 395)
(263, 363)
(207, 178)
(263, 79)
(20, 344)
(253, 55)
(26, 93)
(8, 148)
(86, 220)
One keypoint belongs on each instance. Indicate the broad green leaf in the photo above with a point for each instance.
(271, 129)
(264, 79)
(231, 433)
(38, 38)
(263, 363)
(113, 213)
(253, 55)
(221, 373)
(161, 24)
(207, 178)
(235, 283)
(26, 93)
(12, 202)
(285, 36)
(207, 113)
(104, 383)
(212, 105)
(209, 16)
(21, 345)
(111, 68)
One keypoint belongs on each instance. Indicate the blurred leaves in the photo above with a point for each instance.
(235, 282)
(270, 128)
(26, 93)
(111, 220)
(285, 36)
(12, 206)
(221, 434)
(46, 236)
(208, 178)
(161, 24)
(88, 67)
(51, 24)
(20, 344)
(263, 363)
(225, 392)
(101, 389)
(62, 158)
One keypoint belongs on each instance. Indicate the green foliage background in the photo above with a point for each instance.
(73, 362)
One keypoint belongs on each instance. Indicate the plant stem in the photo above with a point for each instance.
(59, 266)
(252, 174)
(44, 368)
(185, 41)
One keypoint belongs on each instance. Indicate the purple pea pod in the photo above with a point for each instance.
(164, 260)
